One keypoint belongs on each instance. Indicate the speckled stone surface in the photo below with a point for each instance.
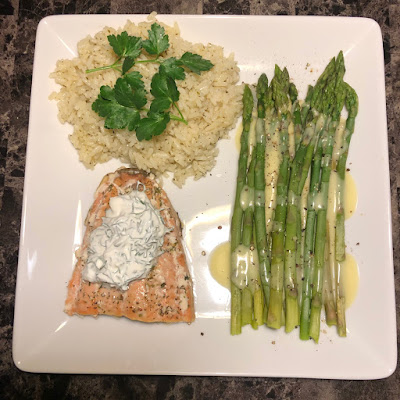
(18, 23)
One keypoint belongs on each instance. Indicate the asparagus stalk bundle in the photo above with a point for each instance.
(298, 176)
(280, 89)
(246, 261)
(327, 139)
(247, 302)
(299, 172)
(313, 120)
(270, 292)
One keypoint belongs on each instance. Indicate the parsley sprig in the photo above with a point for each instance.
(123, 106)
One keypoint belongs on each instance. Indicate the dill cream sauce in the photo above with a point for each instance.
(123, 248)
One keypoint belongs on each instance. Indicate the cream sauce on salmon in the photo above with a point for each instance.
(124, 247)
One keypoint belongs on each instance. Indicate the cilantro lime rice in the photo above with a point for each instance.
(210, 102)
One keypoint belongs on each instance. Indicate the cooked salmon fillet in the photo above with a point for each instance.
(166, 294)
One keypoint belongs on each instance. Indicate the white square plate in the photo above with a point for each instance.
(59, 190)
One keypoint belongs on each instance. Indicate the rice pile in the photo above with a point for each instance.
(210, 102)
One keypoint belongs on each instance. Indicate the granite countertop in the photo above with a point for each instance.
(18, 23)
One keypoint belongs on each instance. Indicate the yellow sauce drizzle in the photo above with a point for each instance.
(219, 264)
(350, 196)
(238, 134)
(246, 197)
(351, 278)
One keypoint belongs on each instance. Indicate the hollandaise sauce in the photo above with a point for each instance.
(219, 264)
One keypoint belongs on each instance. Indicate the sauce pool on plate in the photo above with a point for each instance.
(219, 264)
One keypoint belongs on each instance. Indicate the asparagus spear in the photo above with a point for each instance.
(264, 97)
(252, 298)
(255, 285)
(246, 270)
(298, 132)
(292, 313)
(352, 109)
(298, 129)
(329, 286)
(320, 234)
(306, 106)
(299, 173)
(237, 216)
(294, 126)
(247, 203)
(279, 86)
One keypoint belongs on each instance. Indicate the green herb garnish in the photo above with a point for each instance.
(195, 63)
(125, 47)
(123, 106)
(158, 41)
(120, 106)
